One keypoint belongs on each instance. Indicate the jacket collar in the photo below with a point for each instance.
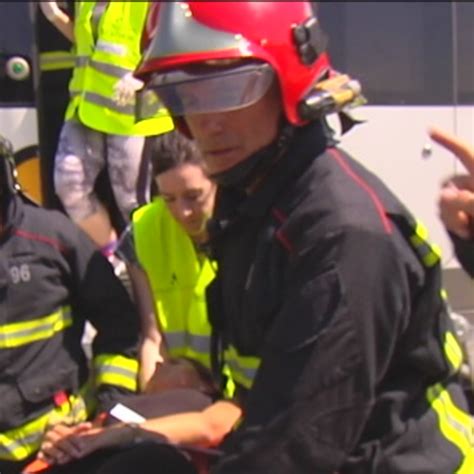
(308, 143)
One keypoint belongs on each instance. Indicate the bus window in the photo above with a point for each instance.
(401, 51)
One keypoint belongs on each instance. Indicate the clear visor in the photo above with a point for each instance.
(201, 90)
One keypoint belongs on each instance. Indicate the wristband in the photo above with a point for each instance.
(137, 435)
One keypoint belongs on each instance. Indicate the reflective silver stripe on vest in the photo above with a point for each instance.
(181, 340)
(102, 101)
(81, 61)
(110, 69)
(104, 68)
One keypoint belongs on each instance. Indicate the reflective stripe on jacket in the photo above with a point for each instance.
(242, 368)
(27, 332)
(101, 64)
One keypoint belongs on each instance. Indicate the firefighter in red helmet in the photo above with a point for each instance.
(328, 303)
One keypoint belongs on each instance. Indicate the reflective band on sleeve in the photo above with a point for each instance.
(429, 254)
(81, 61)
(242, 368)
(56, 60)
(113, 369)
(19, 334)
(109, 69)
(455, 425)
(21, 442)
(453, 350)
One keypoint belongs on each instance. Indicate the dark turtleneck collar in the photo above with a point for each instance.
(244, 174)
(232, 203)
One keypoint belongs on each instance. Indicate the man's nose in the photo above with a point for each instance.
(213, 123)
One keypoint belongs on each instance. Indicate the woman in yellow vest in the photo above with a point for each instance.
(162, 247)
(100, 129)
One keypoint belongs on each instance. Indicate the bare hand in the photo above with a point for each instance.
(61, 445)
(456, 198)
(50, 10)
(125, 89)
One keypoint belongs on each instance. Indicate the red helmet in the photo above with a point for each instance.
(285, 35)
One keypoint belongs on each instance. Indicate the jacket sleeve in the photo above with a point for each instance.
(101, 298)
(332, 338)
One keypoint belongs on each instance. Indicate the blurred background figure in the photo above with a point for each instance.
(163, 249)
(99, 129)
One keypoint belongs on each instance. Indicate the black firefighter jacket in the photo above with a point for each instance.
(51, 281)
(327, 278)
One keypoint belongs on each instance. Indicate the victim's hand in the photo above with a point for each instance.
(61, 444)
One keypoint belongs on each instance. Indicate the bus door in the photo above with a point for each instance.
(18, 121)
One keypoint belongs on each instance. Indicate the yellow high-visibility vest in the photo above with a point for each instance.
(100, 63)
(178, 278)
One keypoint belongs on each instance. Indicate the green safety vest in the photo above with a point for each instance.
(178, 280)
(100, 64)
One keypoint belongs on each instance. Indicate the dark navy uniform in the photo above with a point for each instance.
(52, 279)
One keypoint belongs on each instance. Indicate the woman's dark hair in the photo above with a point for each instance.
(168, 150)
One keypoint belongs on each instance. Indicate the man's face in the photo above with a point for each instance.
(228, 138)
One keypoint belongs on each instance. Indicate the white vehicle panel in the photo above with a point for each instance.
(394, 144)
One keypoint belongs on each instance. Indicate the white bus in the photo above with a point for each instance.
(415, 61)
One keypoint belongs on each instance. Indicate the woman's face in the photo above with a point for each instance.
(189, 194)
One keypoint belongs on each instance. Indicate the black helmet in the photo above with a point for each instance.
(8, 174)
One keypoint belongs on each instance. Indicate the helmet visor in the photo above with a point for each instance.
(205, 89)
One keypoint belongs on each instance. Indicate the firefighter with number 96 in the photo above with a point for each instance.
(53, 280)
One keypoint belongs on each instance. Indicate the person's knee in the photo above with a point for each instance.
(72, 187)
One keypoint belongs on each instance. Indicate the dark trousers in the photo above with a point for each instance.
(145, 458)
